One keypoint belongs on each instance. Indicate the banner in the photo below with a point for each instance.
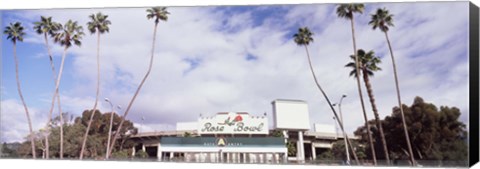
(233, 123)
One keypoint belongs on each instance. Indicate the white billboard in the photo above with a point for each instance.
(324, 128)
(290, 115)
(233, 123)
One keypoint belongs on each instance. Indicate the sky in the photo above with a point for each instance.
(237, 59)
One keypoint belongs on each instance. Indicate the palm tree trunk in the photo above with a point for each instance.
(47, 152)
(330, 104)
(96, 97)
(407, 137)
(109, 134)
(360, 92)
(34, 155)
(57, 94)
(136, 92)
(366, 79)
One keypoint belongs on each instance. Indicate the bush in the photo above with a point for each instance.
(141, 154)
(120, 154)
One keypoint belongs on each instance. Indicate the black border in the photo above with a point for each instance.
(474, 84)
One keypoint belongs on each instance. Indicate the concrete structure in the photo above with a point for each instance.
(238, 137)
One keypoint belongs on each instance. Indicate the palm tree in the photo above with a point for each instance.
(383, 20)
(15, 33)
(159, 14)
(47, 27)
(369, 64)
(98, 24)
(347, 11)
(71, 34)
(303, 38)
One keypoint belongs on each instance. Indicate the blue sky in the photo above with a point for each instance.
(237, 58)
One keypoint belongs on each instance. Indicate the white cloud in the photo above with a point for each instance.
(14, 125)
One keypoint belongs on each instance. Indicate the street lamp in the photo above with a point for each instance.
(111, 124)
(344, 134)
(143, 121)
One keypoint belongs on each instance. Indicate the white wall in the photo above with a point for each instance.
(290, 114)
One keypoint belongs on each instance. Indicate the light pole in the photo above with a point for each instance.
(336, 125)
(143, 121)
(344, 134)
(111, 124)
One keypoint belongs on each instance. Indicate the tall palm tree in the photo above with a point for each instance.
(47, 27)
(368, 63)
(159, 14)
(383, 20)
(304, 38)
(98, 24)
(15, 33)
(71, 34)
(347, 11)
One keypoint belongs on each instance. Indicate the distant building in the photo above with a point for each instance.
(239, 137)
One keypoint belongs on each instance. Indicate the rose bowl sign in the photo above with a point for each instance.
(233, 123)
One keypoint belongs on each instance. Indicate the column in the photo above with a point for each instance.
(133, 151)
(171, 155)
(277, 155)
(159, 152)
(234, 157)
(274, 158)
(264, 158)
(314, 153)
(220, 156)
(300, 148)
(144, 149)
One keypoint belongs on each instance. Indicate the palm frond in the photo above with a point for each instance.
(14, 32)
(382, 20)
(367, 61)
(159, 13)
(303, 37)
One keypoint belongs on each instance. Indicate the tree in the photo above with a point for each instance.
(292, 149)
(383, 20)
(436, 133)
(47, 27)
(338, 150)
(159, 14)
(71, 34)
(15, 33)
(303, 38)
(187, 134)
(368, 63)
(9, 150)
(96, 142)
(98, 24)
(326, 155)
(277, 133)
(347, 11)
